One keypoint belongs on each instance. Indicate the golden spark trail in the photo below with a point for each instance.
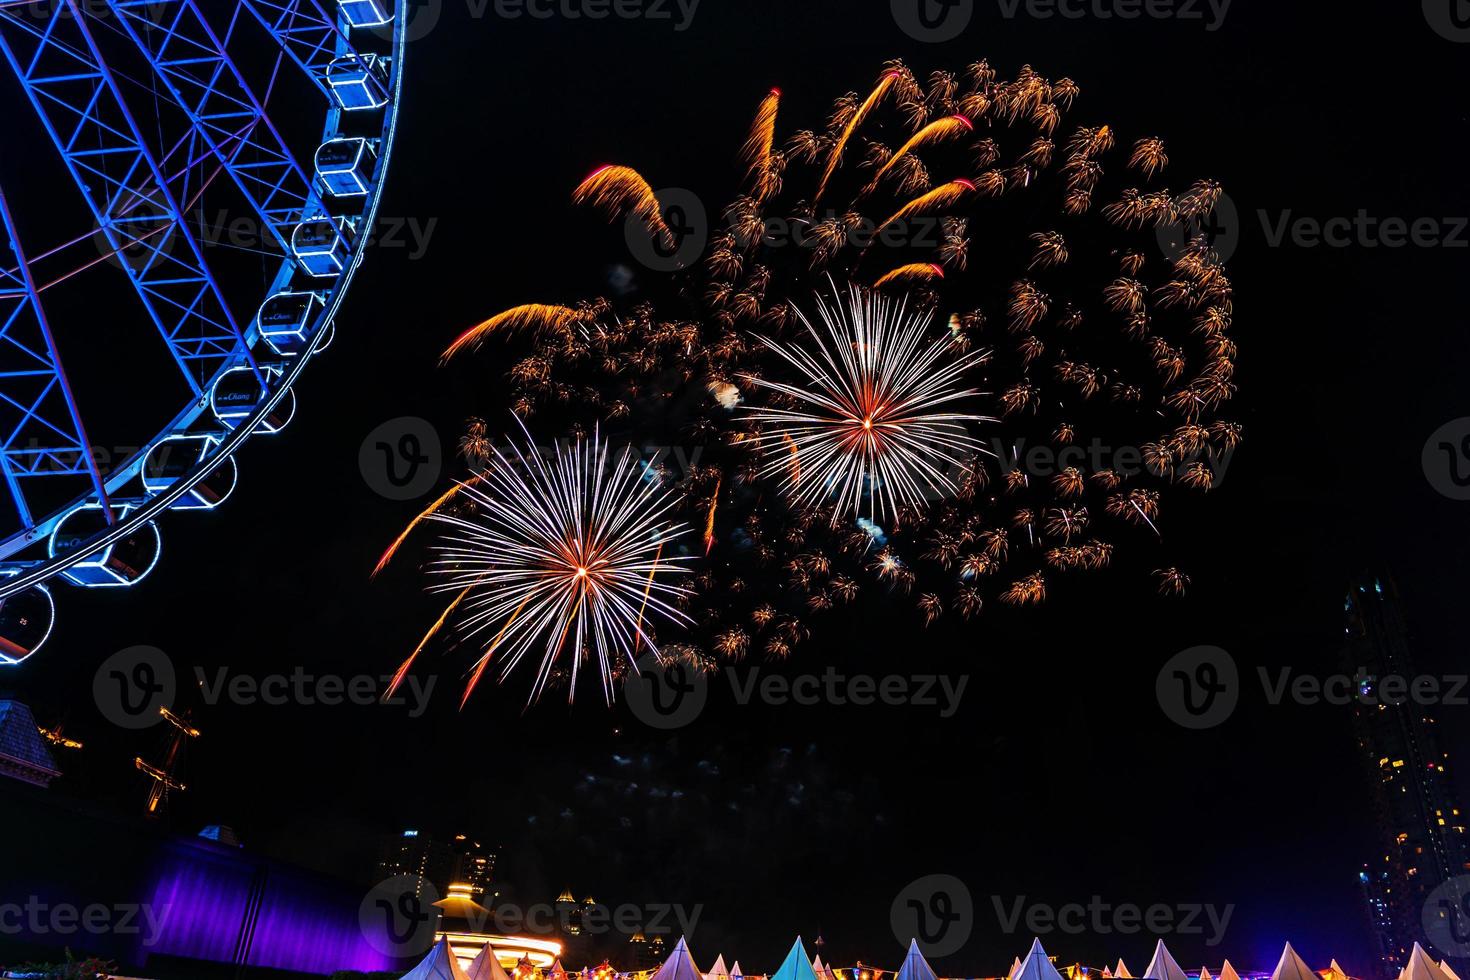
(884, 84)
(515, 318)
(913, 272)
(709, 524)
(402, 671)
(756, 153)
(612, 188)
(937, 130)
(485, 659)
(398, 541)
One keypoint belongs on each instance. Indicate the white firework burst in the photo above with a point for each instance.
(872, 415)
(566, 557)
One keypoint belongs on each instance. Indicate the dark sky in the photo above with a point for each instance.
(1059, 778)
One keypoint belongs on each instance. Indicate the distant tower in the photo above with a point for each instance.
(570, 912)
(1421, 830)
(166, 777)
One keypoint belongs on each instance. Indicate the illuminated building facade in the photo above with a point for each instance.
(1421, 828)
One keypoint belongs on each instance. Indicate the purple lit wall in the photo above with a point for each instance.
(224, 906)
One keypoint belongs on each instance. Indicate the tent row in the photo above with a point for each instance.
(441, 964)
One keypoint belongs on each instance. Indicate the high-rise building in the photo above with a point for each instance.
(418, 854)
(459, 861)
(474, 865)
(1422, 858)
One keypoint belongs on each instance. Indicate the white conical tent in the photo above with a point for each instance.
(796, 966)
(1292, 967)
(1227, 972)
(1015, 968)
(1120, 972)
(440, 964)
(915, 967)
(1036, 965)
(679, 965)
(1107, 974)
(557, 971)
(719, 971)
(486, 966)
(1204, 973)
(1163, 965)
(735, 970)
(1420, 966)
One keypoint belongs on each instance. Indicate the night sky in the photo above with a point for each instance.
(1059, 778)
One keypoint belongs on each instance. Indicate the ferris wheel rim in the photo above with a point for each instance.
(148, 510)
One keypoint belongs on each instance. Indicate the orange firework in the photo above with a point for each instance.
(756, 153)
(403, 536)
(403, 668)
(913, 272)
(484, 660)
(613, 190)
(709, 524)
(538, 315)
(942, 196)
(939, 129)
(889, 79)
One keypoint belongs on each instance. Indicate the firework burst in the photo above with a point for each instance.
(978, 205)
(561, 559)
(871, 415)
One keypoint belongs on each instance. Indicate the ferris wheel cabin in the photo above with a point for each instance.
(364, 13)
(26, 619)
(286, 321)
(124, 562)
(323, 246)
(173, 458)
(237, 395)
(344, 167)
(358, 82)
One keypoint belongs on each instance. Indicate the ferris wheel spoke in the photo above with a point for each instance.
(188, 55)
(42, 432)
(74, 93)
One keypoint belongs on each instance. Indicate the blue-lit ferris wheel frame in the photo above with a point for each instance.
(149, 508)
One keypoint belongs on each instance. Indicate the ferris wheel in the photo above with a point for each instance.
(186, 188)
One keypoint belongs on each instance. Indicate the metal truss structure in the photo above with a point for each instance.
(159, 110)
